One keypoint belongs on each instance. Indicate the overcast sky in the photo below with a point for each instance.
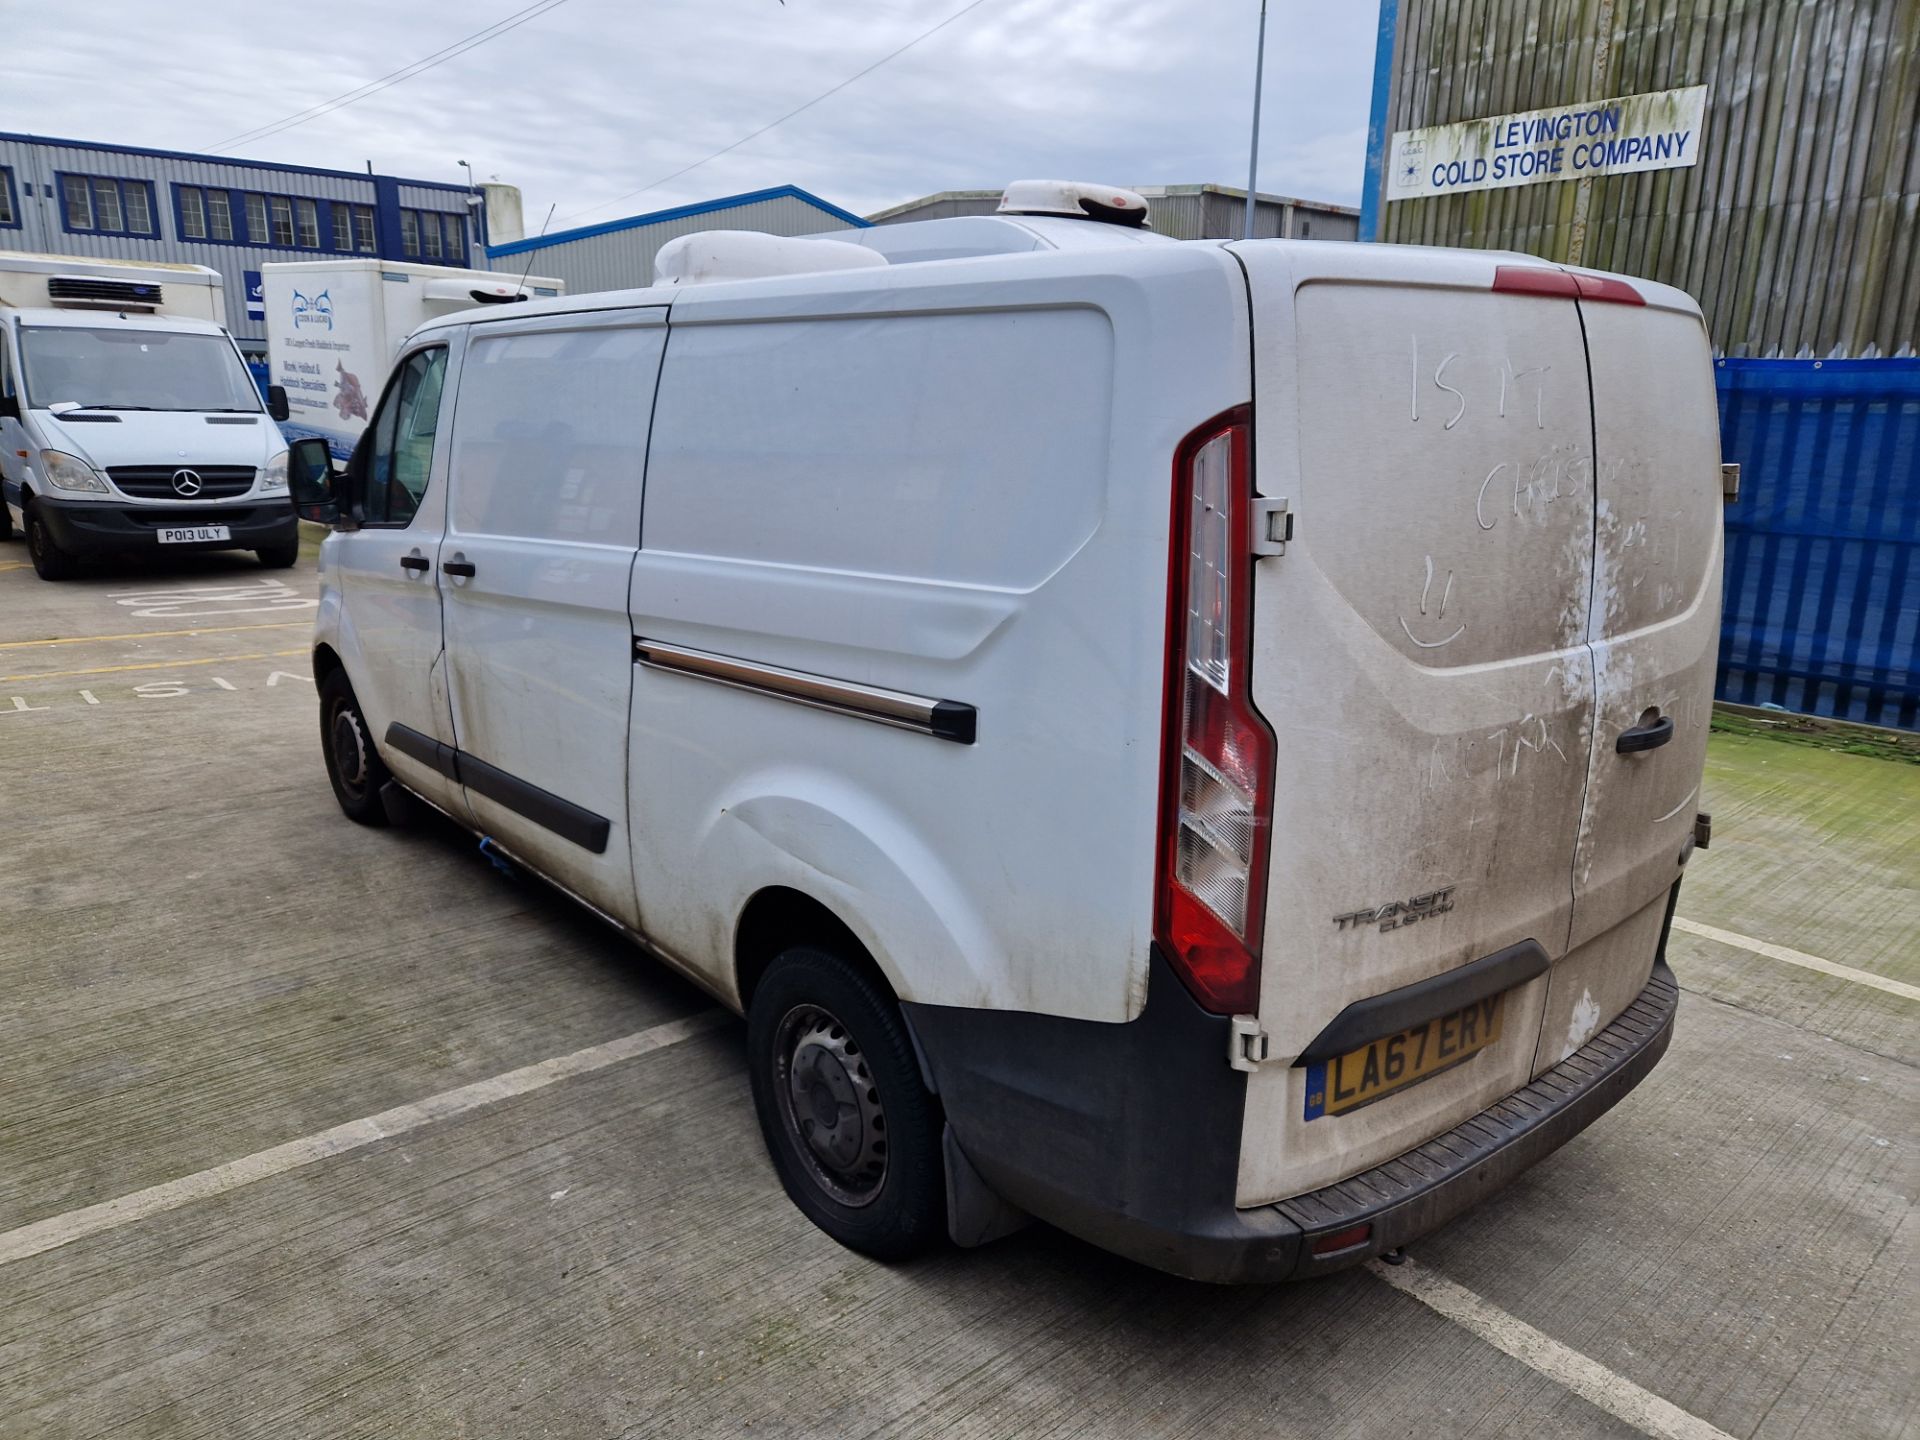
(595, 99)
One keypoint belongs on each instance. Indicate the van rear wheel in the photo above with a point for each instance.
(353, 765)
(853, 1132)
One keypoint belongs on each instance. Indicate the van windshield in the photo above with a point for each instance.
(133, 370)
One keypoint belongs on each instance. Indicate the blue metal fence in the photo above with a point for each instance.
(1823, 547)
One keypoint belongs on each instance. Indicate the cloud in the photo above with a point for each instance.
(601, 97)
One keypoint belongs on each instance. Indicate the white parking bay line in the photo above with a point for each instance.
(1569, 1369)
(1797, 957)
(58, 1230)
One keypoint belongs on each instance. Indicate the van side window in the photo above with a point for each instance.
(550, 437)
(401, 459)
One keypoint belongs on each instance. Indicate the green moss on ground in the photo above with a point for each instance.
(1837, 736)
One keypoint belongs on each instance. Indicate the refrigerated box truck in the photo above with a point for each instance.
(128, 419)
(333, 327)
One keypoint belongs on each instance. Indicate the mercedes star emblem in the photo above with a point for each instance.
(187, 482)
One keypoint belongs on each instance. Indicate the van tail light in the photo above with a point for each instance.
(1216, 793)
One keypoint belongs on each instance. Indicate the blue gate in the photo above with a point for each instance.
(1823, 547)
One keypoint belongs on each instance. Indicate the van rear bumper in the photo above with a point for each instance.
(91, 527)
(1129, 1135)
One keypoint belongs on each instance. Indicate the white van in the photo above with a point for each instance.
(1194, 742)
(128, 419)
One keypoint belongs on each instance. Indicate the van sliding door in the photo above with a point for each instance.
(549, 448)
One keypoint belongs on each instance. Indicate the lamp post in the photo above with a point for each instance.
(476, 213)
(1253, 147)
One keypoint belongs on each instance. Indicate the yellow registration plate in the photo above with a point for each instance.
(1394, 1062)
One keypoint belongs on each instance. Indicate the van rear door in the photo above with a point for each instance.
(1420, 651)
(1654, 629)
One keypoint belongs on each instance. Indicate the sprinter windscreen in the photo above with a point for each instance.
(134, 370)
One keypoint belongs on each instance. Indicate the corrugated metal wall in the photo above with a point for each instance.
(1184, 212)
(35, 163)
(1798, 231)
(623, 259)
(1822, 610)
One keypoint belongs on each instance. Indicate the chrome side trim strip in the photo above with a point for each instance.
(942, 719)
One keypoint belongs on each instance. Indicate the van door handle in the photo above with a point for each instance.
(461, 568)
(1650, 736)
(415, 562)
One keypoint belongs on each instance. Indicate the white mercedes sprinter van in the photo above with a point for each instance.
(1194, 742)
(128, 420)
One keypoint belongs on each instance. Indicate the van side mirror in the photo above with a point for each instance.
(312, 482)
(277, 405)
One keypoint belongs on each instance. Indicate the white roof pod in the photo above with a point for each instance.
(713, 255)
(1077, 198)
(450, 293)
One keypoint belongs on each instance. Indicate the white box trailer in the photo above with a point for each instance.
(333, 327)
(29, 281)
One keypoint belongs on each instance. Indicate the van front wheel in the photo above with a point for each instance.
(50, 562)
(353, 765)
(852, 1130)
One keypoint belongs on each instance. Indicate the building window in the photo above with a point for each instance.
(287, 221)
(9, 212)
(193, 213)
(430, 235)
(219, 215)
(352, 228)
(103, 205)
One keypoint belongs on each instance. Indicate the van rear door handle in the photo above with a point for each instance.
(461, 568)
(415, 562)
(1650, 736)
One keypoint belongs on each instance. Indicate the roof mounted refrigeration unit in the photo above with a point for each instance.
(714, 255)
(1076, 199)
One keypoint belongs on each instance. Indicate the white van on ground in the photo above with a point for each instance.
(128, 419)
(1194, 742)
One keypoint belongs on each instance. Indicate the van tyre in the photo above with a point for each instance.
(50, 562)
(279, 557)
(353, 765)
(853, 1132)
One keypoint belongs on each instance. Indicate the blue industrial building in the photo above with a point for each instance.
(122, 202)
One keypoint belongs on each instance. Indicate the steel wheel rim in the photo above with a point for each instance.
(829, 1105)
(349, 745)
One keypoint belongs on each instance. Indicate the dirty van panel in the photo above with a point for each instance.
(1655, 622)
(1420, 651)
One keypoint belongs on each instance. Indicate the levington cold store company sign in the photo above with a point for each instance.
(1656, 131)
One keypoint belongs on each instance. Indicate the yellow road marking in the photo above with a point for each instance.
(153, 634)
(15, 564)
(157, 665)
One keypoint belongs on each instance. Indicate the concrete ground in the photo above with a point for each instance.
(204, 967)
